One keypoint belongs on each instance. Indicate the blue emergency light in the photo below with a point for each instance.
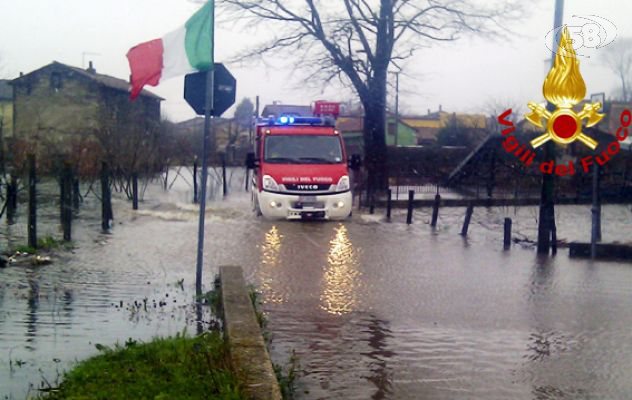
(293, 120)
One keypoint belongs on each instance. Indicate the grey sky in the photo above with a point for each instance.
(461, 76)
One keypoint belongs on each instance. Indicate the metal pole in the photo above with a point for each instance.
(547, 205)
(208, 106)
(396, 107)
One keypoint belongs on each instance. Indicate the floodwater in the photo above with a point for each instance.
(373, 310)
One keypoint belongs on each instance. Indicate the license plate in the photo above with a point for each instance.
(306, 199)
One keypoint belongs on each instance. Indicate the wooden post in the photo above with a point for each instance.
(195, 182)
(66, 201)
(388, 204)
(411, 198)
(106, 198)
(596, 213)
(247, 178)
(135, 191)
(507, 238)
(435, 210)
(32, 218)
(224, 183)
(76, 194)
(12, 199)
(468, 218)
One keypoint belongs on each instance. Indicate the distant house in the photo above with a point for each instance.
(276, 110)
(6, 109)
(58, 104)
(414, 130)
(428, 126)
(351, 128)
(230, 138)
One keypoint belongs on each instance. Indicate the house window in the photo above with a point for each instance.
(392, 128)
(55, 81)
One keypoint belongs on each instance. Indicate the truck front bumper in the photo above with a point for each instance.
(290, 206)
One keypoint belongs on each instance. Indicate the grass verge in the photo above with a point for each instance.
(288, 374)
(174, 368)
(47, 243)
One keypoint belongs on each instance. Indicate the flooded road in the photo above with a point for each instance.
(374, 310)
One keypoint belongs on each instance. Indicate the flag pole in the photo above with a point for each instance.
(208, 127)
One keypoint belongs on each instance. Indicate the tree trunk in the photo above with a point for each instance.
(374, 135)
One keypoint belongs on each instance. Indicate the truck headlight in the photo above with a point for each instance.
(343, 184)
(269, 183)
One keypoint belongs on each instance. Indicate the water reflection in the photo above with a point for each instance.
(33, 298)
(270, 252)
(381, 376)
(341, 276)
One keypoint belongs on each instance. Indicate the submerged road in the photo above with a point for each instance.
(373, 310)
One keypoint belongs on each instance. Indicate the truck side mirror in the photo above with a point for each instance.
(251, 161)
(355, 162)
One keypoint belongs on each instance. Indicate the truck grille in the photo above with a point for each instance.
(307, 187)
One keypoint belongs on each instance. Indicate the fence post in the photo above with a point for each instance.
(595, 234)
(12, 199)
(195, 183)
(468, 217)
(76, 194)
(388, 204)
(224, 187)
(435, 210)
(32, 218)
(106, 199)
(507, 238)
(372, 204)
(135, 191)
(411, 198)
(66, 201)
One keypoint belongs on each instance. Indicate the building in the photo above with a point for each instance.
(415, 130)
(277, 109)
(58, 105)
(6, 109)
(230, 138)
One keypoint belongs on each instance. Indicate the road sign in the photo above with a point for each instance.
(224, 90)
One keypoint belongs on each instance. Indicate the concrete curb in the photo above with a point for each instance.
(248, 352)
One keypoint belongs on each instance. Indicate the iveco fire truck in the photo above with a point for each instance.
(301, 169)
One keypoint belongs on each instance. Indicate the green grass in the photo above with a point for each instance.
(46, 243)
(175, 368)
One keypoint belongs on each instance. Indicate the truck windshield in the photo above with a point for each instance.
(303, 149)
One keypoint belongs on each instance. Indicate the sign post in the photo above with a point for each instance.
(209, 93)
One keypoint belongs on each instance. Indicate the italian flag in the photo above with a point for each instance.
(180, 52)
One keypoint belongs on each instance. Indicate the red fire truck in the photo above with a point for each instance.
(301, 169)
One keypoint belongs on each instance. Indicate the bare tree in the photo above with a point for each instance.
(618, 58)
(356, 41)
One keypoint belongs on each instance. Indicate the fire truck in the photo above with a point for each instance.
(301, 168)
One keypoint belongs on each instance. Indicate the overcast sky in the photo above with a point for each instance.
(462, 76)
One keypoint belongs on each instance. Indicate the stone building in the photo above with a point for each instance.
(57, 107)
(6, 108)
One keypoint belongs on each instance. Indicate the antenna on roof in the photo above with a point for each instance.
(83, 57)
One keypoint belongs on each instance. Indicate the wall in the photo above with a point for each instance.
(46, 114)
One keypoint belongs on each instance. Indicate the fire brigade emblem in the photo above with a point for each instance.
(564, 87)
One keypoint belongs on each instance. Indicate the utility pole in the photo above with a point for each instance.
(396, 107)
(546, 222)
(208, 125)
